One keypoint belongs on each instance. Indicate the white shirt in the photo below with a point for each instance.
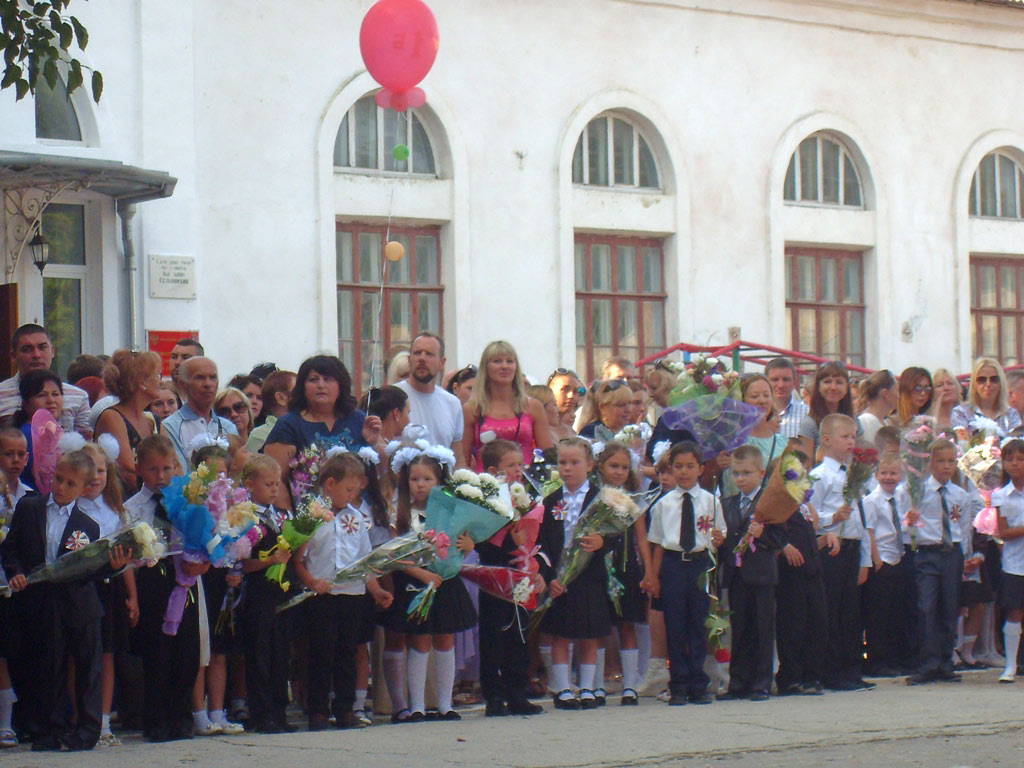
(336, 545)
(73, 416)
(667, 517)
(378, 534)
(829, 478)
(878, 512)
(572, 502)
(141, 506)
(106, 518)
(930, 521)
(869, 425)
(440, 412)
(56, 521)
(792, 415)
(1010, 502)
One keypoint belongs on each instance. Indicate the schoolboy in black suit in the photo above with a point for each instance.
(751, 583)
(62, 617)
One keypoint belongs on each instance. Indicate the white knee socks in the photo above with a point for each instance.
(1011, 639)
(7, 699)
(444, 668)
(598, 672)
(394, 678)
(560, 678)
(417, 670)
(630, 676)
(587, 680)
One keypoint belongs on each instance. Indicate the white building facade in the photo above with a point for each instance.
(587, 178)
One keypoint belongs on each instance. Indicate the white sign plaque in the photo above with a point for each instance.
(172, 277)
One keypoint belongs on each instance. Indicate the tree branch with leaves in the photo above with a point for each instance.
(36, 39)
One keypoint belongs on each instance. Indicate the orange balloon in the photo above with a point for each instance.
(394, 251)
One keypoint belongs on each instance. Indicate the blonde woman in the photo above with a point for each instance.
(606, 409)
(987, 397)
(233, 405)
(500, 407)
(945, 398)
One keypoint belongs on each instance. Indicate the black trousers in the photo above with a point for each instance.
(753, 636)
(504, 656)
(84, 646)
(843, 652)
(913, 615)
(266, 643)
(938, 590)
(334, 624)
(885, 616)
(801, 628)
(685, 606)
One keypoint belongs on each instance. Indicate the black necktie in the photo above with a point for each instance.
(947, 534)
(687, 525)
(744, 506)
(896, 521)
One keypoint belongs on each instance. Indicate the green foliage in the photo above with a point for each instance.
(35, 37)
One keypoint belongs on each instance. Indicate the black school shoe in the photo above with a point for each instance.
(48, 743)
(629, 698)
(600, 696)
(698, 698)
(524, 707)
(569, 702)
(921, 678)
(495, 708)
(759, 696)
(588, 702)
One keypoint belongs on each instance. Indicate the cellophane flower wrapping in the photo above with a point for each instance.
(787, 488)
(46, 434)
(915, 453)
(505, 583)
(311, 514)
(982, 463)
(233, 516)
(305, 472)
(858, 472)
(717, 422)
(456, 508)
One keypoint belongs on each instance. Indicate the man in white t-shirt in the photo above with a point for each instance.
(437, 410)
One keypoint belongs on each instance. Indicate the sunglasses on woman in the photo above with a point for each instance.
(988, 379)
(226, 410)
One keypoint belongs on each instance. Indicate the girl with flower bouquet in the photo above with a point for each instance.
(581, 611)
(452, 610)
(336, 611)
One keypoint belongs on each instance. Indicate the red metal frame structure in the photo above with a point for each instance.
(750, 352)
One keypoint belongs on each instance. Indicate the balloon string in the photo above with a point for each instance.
(377, 347)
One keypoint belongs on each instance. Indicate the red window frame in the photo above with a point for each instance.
(585, 363)
(361, 341)
(1008, 311)
(795, 306)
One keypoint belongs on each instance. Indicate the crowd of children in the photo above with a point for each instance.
(836, 593)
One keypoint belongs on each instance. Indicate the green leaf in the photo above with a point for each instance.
(40, 9)
(66, 35)
(54, 19)
(11, 74)
(22, 89)
(81, 33)
(75, 76)
(50, 73)
(97, 86)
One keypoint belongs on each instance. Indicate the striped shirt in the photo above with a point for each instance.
(792, 416)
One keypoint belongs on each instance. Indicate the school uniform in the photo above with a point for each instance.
(1010, 502)
(843, 655)
(379, 534)
(628, 570)
(115, 626)
(9, 637)
(681, 524)
(939, 564)
(801, 616)
(582, 612)
(170, 663)
(887, 609)
(265, 633)
(60, 619)
(751, 586)
(334, 618)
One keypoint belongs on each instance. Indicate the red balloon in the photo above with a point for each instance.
(398, 41)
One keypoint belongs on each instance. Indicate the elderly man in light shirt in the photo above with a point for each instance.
(198, 382)
(781, 375)
(32, 350)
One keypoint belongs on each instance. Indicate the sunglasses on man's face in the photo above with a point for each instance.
(227, 409)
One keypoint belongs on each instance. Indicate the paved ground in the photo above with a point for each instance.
(974, 723)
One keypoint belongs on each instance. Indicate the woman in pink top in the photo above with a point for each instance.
(499, 405)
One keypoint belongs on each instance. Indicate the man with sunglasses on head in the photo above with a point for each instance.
(568, 390)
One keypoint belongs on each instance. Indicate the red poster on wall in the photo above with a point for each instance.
(162, 342)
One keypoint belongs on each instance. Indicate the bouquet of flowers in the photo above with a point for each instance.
(7, 512)
(411, 550)
(542, 475)
(610, 513)
(915, 453)
(706, 402)
(982, 463)
(858, 472)
(296, 532)
(305, 471)
(509, 584)
(787, 488)
(233, 516)
(138, 540)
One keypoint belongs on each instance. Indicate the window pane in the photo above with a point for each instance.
(987, 287)
(974, 286)
(581, 362)
(369, 257)
(600, 267)
(807, 330)
(830, 332)
(854, 335)
(64, 227)
(62, 315)
(829, 281)
(346, 351)
(597, 151)
(395, 132)
(601, 321)
(579, 257)
(55, 114)
(626, 268)
(987, 169)
(807, 287)
(1008, 287)
(789, 278)
(851, 281)
(652, 270)
(343, 256)
(851, 184)
(426, 260)
(422, 152)
(623, 136)
(972, 202)
(789, 186)
(401, 317)
(368, 315)
(627, 325)
(1008, 353)
(577, 162)
(829, 171)
(654, 326)
(597, 358)
(989, 335)
(368, 353)
(398, 271)
(428, 315)
(809, 169)
(366, 133)
(341, 144)
(581, 325)
(1007, 188)
(648, 168)
(345, 315)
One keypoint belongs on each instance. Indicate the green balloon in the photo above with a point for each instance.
(400, 152)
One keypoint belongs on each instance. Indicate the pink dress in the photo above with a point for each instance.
(517, 429)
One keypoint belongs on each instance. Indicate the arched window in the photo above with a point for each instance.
(369, 134)
(55, 114)
(611, 152)
(822, 171)
(997, 188)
